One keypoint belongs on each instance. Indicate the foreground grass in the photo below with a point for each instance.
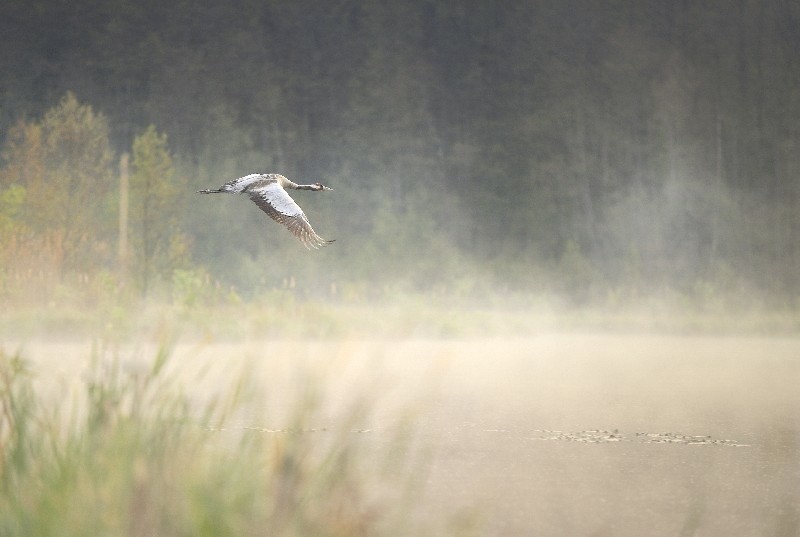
(132, 455)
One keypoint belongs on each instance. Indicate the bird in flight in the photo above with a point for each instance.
(268, 191)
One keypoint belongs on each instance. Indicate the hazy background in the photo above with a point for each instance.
(612, 154)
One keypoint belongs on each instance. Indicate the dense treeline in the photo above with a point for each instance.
(597, 151)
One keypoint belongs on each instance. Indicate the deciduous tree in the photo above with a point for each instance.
(155, 200)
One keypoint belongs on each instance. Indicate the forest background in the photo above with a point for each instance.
(630, 154)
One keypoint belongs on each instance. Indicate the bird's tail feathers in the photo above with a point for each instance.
(211, 191)
(312, 244)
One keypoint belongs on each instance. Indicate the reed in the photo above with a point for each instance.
(134, 455)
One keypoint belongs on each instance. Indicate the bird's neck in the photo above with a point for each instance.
(286, 183)
(305, 187)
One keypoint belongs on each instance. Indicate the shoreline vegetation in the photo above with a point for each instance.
(281, 315)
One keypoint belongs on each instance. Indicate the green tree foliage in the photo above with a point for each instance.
(12, 200)
(73, 196)
(653, 139)
(63, 165)
(157, 199)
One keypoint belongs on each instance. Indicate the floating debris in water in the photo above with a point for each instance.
(588, 436)
(591, 436)
(284, 431)
(677, 438)
(266, 430)
(599, 436)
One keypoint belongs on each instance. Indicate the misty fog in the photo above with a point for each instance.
(563, 296)
(588, 154)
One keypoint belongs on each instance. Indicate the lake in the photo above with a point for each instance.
(552, 434)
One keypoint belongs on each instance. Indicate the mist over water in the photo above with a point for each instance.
(546, 434)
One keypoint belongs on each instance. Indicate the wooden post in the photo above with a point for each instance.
(122, 253)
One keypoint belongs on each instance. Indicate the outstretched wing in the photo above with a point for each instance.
(279, 205)
(245, 183)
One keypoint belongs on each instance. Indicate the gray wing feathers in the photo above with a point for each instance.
(248, 182)
(279, 205)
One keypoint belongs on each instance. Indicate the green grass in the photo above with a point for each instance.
(133, 455)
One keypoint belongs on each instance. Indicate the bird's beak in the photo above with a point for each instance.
(326, 188)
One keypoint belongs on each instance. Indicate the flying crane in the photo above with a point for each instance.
(268, 191)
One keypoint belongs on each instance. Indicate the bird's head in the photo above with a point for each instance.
(320, 186)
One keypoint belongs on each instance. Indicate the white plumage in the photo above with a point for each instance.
(276, 196)
(268, 191)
